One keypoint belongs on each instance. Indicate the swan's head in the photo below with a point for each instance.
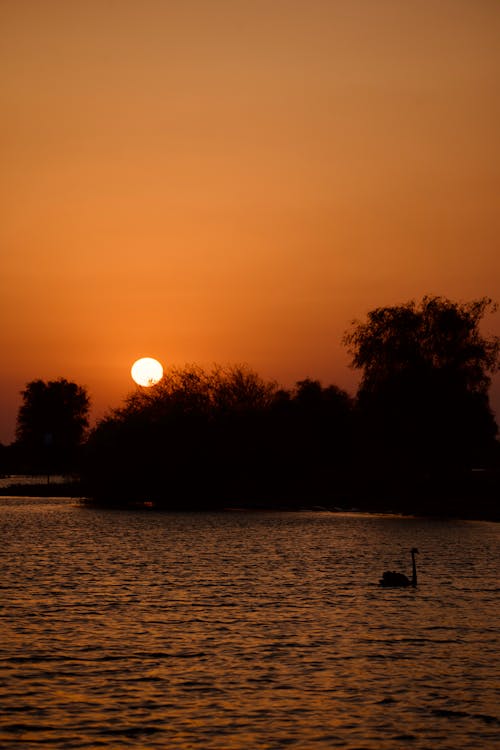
(413, 550)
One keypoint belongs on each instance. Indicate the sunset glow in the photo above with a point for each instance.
(235, 181)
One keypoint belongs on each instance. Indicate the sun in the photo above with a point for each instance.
(146, 371)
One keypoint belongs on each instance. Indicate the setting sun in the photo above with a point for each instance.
(146, 371)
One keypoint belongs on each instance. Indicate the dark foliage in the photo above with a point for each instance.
(420, 436)
(51, 424)
(199, 439)
(423, 404)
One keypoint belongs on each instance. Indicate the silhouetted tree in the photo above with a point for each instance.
(10, 461)
(201, 438)
(4, 464)
(319, 437)
(51, 423)
(190, 437)
(423, 396)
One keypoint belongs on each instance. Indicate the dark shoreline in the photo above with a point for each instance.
(43, 489)
(473, 508)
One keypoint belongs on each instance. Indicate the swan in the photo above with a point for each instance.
(399, 580)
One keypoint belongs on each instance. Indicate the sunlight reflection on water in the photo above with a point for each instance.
(244, 630)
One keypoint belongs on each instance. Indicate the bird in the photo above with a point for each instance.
(399, 580)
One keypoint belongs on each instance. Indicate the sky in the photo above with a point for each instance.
(235, 181)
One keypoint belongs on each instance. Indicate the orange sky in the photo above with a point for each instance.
(235, 180)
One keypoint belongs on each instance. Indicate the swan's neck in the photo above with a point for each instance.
(414, 571)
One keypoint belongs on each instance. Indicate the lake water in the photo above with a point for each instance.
(243, 631)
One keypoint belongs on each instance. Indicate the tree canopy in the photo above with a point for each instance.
(221, 435)
(437, 334)
(426, 369)
(51, 423)
(194, 390)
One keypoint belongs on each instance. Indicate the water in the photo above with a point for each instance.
(245, 630)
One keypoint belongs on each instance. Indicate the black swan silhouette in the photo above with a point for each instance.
(399, 580)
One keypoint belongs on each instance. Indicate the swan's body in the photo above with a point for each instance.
(399, 580)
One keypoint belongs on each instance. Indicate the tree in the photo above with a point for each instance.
(51, 423)
(193, 436)
(426, 370)
(193, 390)
(319, 439)
(205, 437)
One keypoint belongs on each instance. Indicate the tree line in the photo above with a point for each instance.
(419, 432)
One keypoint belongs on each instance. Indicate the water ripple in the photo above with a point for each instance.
(237, 631)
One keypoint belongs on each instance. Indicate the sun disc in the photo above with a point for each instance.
(146, 371)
